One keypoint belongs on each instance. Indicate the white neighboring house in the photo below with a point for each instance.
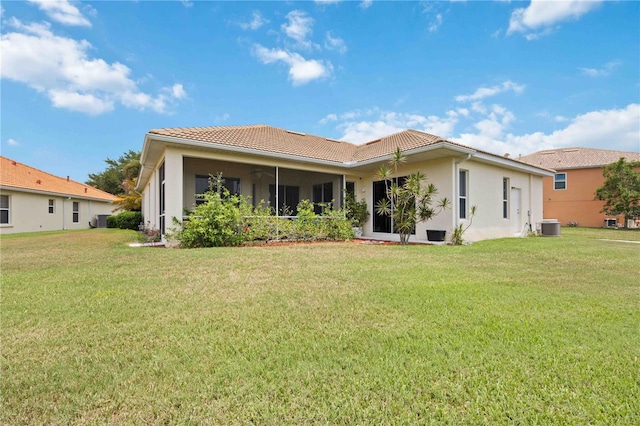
(283, 167)
(32, 200)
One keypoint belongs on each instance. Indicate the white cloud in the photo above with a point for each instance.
(187, 3)
(222, 118)
(335, 43)
(299, 27)
(256, 22)
(12, 142)
(383, 123)
(327, 1)
(63, 12)
(485, 92)
(365, 4)
(301, 70)
(616, 129)
(608, 68)
(543, 14)
(436, 23)
(178, 92)
(61, 68)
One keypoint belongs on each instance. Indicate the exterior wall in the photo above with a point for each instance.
(29, 212)
(486, 193)
(485, 190)
(577, 202)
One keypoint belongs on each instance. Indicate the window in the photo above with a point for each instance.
(76, 212)
(560, 181)
(288, 199)
(462, 203)
(351, 188)
(52, 206)
(161, 196)
(384, 223)
(4, 210)
(202, 186)
(322, 193)
(505, 198)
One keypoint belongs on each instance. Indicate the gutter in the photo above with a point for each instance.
(55, 194)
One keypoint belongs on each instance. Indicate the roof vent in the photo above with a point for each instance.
(38, 181)
(67, 178)
(506, 155)
(332, 140)
(85, 190)
(14, 163)
(296, 133)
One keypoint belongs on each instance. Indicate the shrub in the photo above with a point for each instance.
(226, 220)
(125, 220)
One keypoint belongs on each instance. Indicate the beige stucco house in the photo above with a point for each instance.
(283, 167)
(32, 200)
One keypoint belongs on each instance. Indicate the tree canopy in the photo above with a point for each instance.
(621, 189)
(119, 178)
(126, 167)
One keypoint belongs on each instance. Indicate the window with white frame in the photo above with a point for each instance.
(560, 181)
(5, 209)
(52, 206)
(505, 198)
(76, 212)
(463, 194)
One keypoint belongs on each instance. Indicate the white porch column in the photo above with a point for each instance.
(174, 177)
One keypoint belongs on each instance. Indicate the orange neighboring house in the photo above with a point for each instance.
(569, 196)
(32, 200)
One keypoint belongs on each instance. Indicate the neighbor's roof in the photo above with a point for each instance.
(18, 176)
(576, 158)
(286, 142)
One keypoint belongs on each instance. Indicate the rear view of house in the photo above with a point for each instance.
(569, 195)
(282, 167)
(32, 200)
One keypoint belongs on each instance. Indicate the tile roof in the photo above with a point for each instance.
(266, 138)
(281, 141)
(20, 176)
(576, 158)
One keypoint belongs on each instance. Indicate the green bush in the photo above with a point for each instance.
(125, 220)
(227, 220)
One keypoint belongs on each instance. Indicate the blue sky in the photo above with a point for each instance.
(83, 81)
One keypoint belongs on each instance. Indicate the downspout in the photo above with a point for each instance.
(457, 188)
(277, 200)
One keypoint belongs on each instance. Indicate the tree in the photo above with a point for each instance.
(126, 167)
(408, 202)
(621, 189)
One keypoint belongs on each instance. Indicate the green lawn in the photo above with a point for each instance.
(514, 331)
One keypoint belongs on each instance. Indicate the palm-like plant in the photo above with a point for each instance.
(408, 202)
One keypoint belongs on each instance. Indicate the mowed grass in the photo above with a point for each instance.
(513, 331)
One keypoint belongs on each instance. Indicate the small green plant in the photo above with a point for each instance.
(215, 222)
(458, 232)
(356, 211)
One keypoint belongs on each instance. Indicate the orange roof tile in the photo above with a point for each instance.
(14, 175)
(281, 141)
(576, 158)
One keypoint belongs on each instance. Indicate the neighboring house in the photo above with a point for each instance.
(569, 195)
(33, 200)
(283, 167)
